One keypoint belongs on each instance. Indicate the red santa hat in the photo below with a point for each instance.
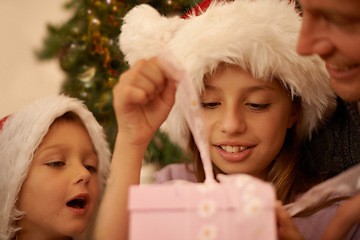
(2, 122)
(260, 36)
(21, 134)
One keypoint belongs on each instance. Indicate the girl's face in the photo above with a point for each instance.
(61, 190)
(246, 120)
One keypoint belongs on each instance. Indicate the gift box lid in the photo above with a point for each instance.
(239, 191)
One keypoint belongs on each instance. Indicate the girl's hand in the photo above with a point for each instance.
(142, 101)
(286, 227)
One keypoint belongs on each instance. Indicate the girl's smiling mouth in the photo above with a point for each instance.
(234, 153)
(233, 149)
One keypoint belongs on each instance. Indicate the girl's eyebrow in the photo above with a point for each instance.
(39, 150)
(248, 89)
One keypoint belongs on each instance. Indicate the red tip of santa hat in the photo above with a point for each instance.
(2, 122)
(199, 9)
(202, 6)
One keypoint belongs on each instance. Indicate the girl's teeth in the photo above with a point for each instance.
(233, 149)
(229, 148)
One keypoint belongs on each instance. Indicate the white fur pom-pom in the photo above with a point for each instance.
(144, 32)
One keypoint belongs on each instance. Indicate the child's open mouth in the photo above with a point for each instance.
(79, 202)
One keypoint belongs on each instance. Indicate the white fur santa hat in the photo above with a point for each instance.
(20, 135)
(260, 36)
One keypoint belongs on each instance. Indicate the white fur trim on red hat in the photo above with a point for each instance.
(258, 35)
(20, 136)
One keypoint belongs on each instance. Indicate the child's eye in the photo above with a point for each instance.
(56, 164)
(91, 169)
(210, 105)
(258, 107)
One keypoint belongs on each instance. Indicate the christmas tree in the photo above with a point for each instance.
(88, 52)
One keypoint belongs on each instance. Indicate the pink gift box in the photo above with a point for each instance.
(239, 207)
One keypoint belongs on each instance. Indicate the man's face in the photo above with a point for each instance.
(331, 29)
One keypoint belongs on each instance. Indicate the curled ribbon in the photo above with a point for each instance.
(347, 182)
(189, 105)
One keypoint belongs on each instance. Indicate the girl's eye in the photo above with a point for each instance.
(91, 169)
(56, 164)
(210, 105)
(258, 107)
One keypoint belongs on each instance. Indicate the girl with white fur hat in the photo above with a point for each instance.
(259, 98)
(54, 159)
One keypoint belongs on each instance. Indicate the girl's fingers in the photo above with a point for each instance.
(135, 95)
(151, 71)
(144, 77)
(286, 227)
(138, 81)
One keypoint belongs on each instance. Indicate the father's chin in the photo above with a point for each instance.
(348, 90)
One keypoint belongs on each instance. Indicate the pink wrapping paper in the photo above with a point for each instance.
(238, 207)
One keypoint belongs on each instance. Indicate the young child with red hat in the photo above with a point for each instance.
(54, 159)
(259, 99)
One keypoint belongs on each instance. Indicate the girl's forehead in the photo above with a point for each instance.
(238, 75)
(249, 71)
(234, 80)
